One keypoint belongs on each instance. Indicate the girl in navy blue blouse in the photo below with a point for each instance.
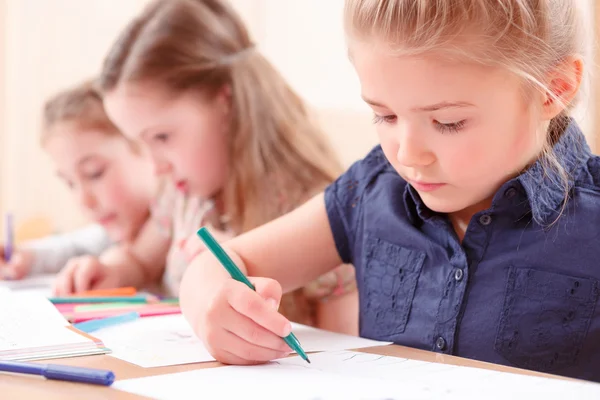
(472, 227)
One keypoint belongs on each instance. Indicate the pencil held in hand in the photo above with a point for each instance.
(237, 275)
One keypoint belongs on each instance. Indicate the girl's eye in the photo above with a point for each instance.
(453, 127)
(161, 137)
(96, 174)
(388, 119)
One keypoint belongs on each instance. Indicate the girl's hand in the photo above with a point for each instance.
(85, 273)
(18, 267)
(236, 324)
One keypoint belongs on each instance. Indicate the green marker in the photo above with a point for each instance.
(102, 299)
(236, 274)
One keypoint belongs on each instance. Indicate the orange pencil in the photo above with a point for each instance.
(124, 291)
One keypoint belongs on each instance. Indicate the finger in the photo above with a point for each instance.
(251, 332)
(248, 353)
(228, 358)
(179, 211)
(198, 218)
(17, 267)
(4, 274)
(84, 276)
(191, 214)
(262, 311)
(168, 195)
(63, 284)
(268, 289)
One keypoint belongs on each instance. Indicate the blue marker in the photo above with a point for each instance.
(60, 372)
(95, 324)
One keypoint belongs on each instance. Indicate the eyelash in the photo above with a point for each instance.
(161, 137)
(96, 175)
(378, 119)
(453, 127)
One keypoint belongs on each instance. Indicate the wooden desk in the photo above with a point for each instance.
(21, 386)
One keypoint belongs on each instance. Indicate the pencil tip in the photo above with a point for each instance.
(307, 360)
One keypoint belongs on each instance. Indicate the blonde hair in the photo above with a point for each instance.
(203, 45)
(526, 37)
(80, 105)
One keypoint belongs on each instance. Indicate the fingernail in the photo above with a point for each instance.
(273, 304)
(287, 330)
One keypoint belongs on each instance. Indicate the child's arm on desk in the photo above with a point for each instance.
(133, 264)
(51, 253)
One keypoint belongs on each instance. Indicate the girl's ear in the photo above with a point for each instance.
(564, 83)
(223, 99)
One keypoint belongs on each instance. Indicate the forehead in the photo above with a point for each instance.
(68, 143)
(138, 107)
(418, 80)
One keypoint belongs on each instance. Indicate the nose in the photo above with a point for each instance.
(87, 199)
(413, 150)
(161, 167)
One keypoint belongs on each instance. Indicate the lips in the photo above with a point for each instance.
(181, 186)
(107, 219)
(425, 186)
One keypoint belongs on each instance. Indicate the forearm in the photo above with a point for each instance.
(50, 254)
(294, 249)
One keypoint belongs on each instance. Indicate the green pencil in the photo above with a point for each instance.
(108, 299)
(236, 274)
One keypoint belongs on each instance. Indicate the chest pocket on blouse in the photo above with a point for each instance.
(545, 318)
(389, 280)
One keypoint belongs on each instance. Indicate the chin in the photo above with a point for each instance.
(441, 205)
(118, 234)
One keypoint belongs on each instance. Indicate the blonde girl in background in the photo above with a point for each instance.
(221, 123)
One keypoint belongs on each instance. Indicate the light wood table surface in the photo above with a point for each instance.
(13, 386)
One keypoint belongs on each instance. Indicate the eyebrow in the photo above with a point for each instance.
(433, 107)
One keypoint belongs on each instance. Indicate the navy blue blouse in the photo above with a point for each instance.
(520, 290)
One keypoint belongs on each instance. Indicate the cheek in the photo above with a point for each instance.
(207, 158)
(117, 193)
(474, 159)
(461, 152)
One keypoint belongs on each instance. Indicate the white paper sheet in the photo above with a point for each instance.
(31, 327)
(154, 342)
(169, 340)
(36, 284)
(351, 375)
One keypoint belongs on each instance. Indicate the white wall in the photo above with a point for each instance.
(47, 45)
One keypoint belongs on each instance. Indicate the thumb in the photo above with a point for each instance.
(269, 289)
